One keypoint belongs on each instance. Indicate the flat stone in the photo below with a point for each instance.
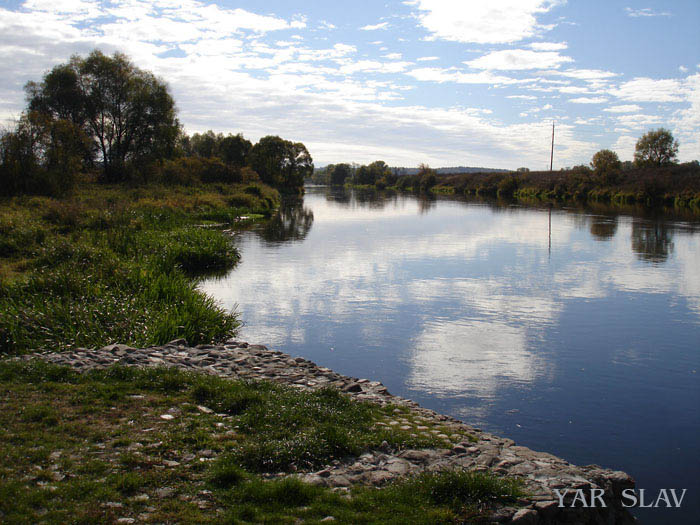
(165, 492)
(525, 517)
(378, 477)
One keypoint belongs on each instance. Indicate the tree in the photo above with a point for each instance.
(281, 163)
(338, 173)
(656, 148)
(605, 161)
(128, 112)
(234, 150)
(205, 144)
(427, 177)
(41, 155)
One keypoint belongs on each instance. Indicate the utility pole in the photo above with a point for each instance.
(551, 158)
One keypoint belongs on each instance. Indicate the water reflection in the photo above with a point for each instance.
(470, 358)
(652, 241)
(460, 306)
(603, 228)
(292, 222)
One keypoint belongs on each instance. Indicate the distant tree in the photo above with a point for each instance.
(41, 155)
(339, 173)
(206, 144)
(364, 175)
(427, 177)
(656, 148)
(128, 112)
(234, 149)
(523, 170)
(605, 161)
(379, 169)
(281, 163)
(580, 169)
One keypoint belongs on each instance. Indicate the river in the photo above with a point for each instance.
(571, 331)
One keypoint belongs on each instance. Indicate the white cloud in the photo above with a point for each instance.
(375, 27)
(686, 122)
(574, 90)
(646, 12)
(682, 69)
(393, 56)
(519, 59)
(624, 108)
(433, 74)
(427, 59)
(549, 46)
(523, 97)
(586, 74)
(476, 21)
(650, 90)
(638, 121)
(588, 100)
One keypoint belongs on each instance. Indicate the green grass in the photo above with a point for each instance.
(92, 447)
(90, 270)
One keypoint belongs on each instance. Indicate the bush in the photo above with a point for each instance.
(193, 170)
(507, 186)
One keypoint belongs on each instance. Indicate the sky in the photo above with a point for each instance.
(441, 82)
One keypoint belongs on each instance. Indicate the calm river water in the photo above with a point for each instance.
(575, 332)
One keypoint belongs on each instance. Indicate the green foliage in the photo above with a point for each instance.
(339, 173)
(95, 272)
(128, 113)
(427, 176)
(40, 156)
(371, 173)
(656, 148)
(232, 150)
(605, 161)
(507, 186)
(281, 163)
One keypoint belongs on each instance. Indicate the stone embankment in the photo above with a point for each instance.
(543, 474)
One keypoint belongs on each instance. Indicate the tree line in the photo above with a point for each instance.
(377, 174)
(101, 114)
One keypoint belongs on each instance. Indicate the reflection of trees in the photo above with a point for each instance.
(291, 223)
(603, 228)
(361, 197)
(371, 198)
(426, 203)
(652, 241)
(339, 194)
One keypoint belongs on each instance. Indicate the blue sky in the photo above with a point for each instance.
(444, 82)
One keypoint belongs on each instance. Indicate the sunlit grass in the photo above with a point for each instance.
(92, 447)
(117, 264)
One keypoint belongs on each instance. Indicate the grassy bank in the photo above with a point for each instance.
(677, 186)
(118, 264)
(160, 445)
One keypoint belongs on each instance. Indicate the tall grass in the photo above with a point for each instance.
(90, 270)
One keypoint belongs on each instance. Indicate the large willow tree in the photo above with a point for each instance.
(128, 113)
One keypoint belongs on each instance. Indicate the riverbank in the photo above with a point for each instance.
(414, 441)
(119, 263)
(676, 186)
